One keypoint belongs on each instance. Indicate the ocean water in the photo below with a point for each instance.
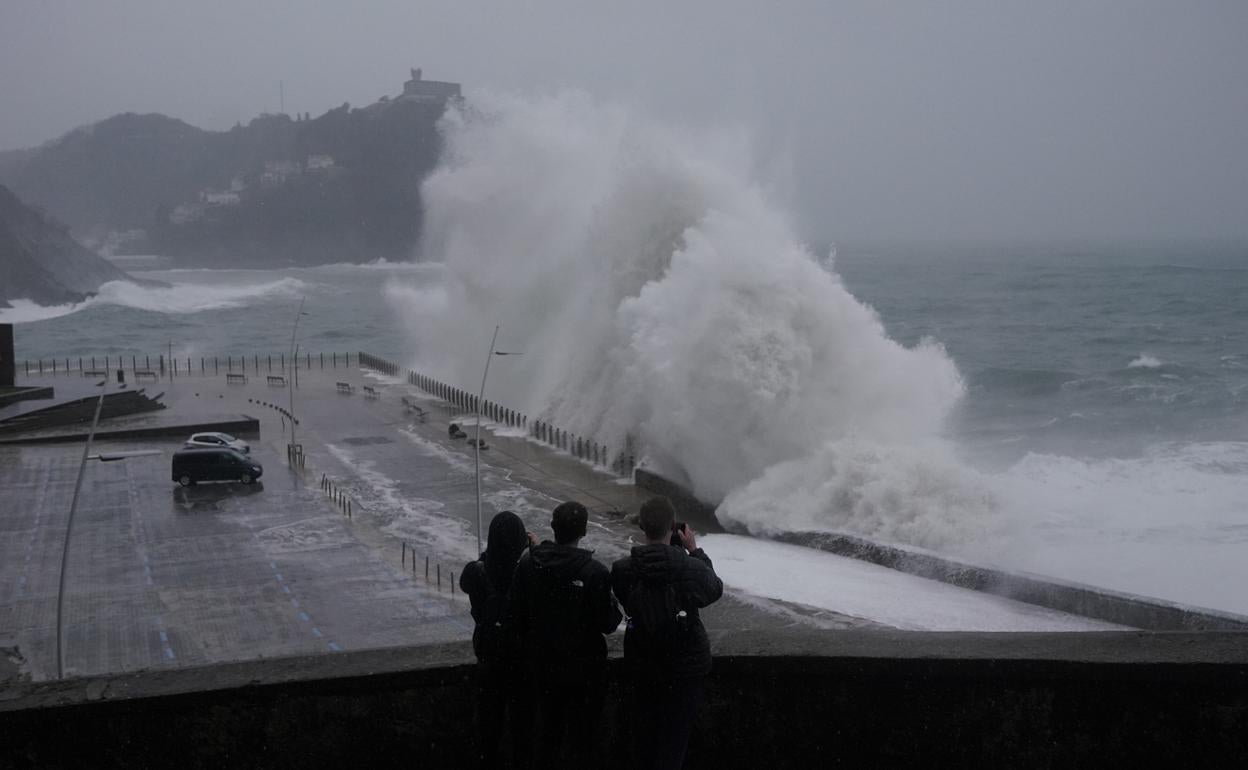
(1073, 411)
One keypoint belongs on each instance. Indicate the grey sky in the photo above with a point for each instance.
(905, 120)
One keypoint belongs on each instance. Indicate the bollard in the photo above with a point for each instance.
(452, 584)
(405, 553)
(426, 569)
(322, 360)
(335, 360)
(439, 577)
(348, 509)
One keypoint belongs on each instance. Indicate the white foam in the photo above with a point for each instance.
(917, 494)
(23, 311)
(1145, 361)
(179, 298)
(416, 520)
(1172, 523)
(863, 590)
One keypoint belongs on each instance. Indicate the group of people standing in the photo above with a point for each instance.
(542, 612)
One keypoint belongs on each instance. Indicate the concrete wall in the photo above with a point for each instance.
(788, 698)
(8, 361)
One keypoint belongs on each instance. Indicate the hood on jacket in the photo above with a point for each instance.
(657, 561)
(506, 542)
(560, 560)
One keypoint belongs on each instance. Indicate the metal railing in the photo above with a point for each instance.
(622, 461)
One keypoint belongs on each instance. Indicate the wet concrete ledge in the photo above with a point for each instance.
(783, 698)
(24, 394)
(238, 425)
(1065, 596)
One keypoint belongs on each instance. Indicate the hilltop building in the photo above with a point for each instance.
(319, 162)
(429, 90)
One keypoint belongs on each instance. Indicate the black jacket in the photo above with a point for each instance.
(561, 605)
(493, 637)
(696, 585)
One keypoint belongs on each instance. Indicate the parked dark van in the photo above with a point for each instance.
(220, 464)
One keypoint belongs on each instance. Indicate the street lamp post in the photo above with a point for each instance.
(477, 453)
(69, 524)
(480, 400)
(294, 368)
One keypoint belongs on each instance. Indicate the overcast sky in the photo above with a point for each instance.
(908, 120)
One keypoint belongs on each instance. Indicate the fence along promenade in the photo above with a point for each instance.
(621, 462)
(162, 364)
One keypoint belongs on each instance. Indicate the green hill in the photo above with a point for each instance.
(344, 186)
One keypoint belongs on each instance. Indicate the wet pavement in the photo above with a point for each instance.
(159, 575)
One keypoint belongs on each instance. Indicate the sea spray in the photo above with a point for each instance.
(655, 292)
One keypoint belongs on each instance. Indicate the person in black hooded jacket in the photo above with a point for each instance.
(561, 605)
(666, 652)
(503, 688)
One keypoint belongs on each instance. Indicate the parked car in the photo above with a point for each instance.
(216, 440)
(191, 466)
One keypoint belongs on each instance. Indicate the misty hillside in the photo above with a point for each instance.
(40, 261)
(344, 186)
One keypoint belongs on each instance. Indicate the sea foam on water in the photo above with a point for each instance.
(656, 292)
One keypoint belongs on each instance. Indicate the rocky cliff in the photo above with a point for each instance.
(41, 261)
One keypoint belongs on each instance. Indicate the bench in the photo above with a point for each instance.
(95, 373)
(232, 378)
(276, 379)
(370, 391)
(345, 387)
(141, 373)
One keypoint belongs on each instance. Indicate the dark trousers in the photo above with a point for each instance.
(569, 711)
(662, 713)
(503, 697)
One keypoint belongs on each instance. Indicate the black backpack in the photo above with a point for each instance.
(561, 616)
(655, 621)
(495, 638)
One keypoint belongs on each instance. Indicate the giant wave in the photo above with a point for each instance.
(659, 294)
(177, 298)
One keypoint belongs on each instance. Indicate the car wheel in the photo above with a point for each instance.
(247, 478)
(185, 481)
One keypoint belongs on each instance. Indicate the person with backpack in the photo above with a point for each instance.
(503, 688)
(562, 607)
(661, 585)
